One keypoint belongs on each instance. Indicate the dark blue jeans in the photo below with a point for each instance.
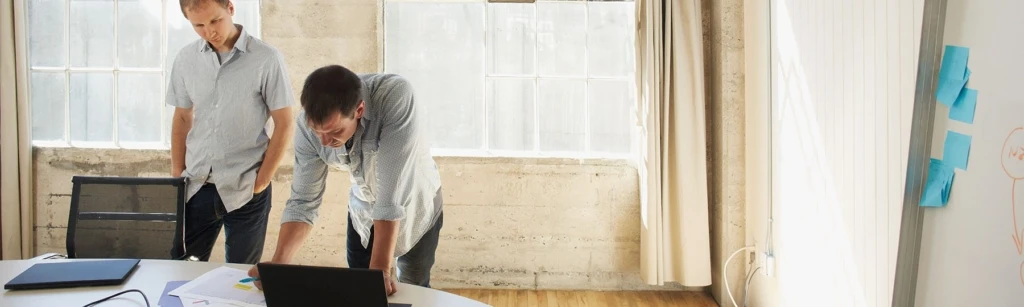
(245, 229)
(413, 267)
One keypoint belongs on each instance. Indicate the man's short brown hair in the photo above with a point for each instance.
(189, 4)
(329, 90)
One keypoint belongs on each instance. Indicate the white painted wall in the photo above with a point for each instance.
(842, 78)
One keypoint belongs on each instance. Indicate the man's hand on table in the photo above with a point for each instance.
(255, 273)
(389, 282)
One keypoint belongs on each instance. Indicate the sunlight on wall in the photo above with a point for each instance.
(842, 89)
(814, 256)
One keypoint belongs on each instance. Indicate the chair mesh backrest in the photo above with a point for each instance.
(123, 218)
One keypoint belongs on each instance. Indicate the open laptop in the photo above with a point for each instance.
(78, 273)
(300, 285)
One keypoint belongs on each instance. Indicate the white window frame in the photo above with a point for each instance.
(164, 142)
(535, 152)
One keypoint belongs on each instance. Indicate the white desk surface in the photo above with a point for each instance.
(151, 277)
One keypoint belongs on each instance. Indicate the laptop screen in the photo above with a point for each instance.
(299, 285)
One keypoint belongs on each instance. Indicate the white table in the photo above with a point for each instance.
(151, 277)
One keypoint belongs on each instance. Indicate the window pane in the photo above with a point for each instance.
(610, 39)
(46, 34)
(179, 34)
(92, 107)
(561, 107)
(247, 14)
(92, 33)
(510, 104)
(46, 92)
(439, 48)
(561, 38)
(611, 104)
(513, 39)
(138, 33)
(168, 116)
(138, 107)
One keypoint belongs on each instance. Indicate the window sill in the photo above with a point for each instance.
(441, 155)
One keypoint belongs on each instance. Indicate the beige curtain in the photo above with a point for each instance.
(675, 232)
(15, 159)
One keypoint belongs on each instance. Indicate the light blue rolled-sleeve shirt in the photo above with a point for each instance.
(394, 176)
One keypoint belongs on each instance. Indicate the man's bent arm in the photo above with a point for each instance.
(180, 126)
(284, 129)
(181, 123)
(400, 145)
(277, 94)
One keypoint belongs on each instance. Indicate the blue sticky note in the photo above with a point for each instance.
(949, 90)
(956, 150)
(953, 74)
(954, 62)
(963, 109)
(938, 185)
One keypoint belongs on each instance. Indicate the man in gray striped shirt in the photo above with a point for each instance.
(373, 126)
(224, 87)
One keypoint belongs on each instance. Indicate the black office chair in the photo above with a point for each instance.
(125, 217)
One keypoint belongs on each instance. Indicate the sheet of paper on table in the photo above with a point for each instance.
(221, 286)
(203, 303)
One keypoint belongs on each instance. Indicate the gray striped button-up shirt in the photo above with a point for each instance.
(393, 175)
(231, 104)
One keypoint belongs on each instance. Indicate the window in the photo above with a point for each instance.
(98, 69)
(552, 78)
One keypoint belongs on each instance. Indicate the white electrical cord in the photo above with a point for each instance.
(746, 289)
(725, 273)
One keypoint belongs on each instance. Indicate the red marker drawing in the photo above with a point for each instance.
(1012, 160)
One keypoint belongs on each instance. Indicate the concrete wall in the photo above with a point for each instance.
(724, 90)
(510, 223)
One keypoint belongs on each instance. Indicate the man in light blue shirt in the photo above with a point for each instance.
(372, 125)
(224, 87)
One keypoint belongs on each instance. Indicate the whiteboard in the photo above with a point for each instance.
(968, 254)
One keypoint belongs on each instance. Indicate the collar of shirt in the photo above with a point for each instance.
(350, 144)
(368, 115)
(369, 109)
(241, 44)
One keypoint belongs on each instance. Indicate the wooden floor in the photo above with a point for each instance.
(515, 298)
